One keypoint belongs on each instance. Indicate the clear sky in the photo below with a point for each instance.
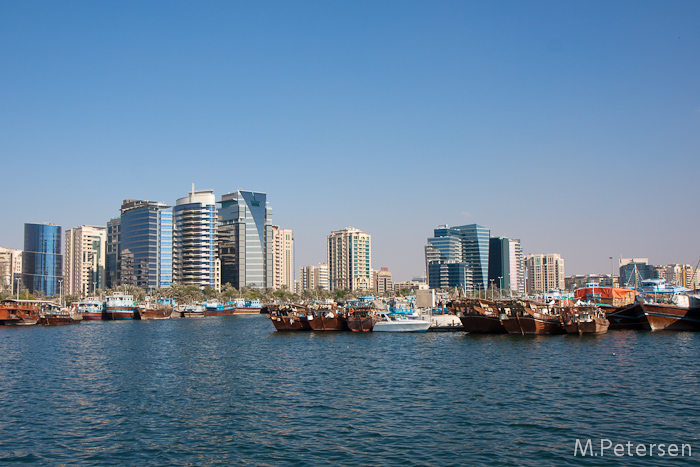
(571, 125)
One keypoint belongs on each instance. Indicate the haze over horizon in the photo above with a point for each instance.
(572, 126)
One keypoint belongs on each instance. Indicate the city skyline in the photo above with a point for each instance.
(573, 127)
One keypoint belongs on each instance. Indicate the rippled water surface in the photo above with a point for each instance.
(232, 391)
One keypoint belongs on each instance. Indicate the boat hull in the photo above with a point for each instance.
(586, 327)
(401, 326)
(626, 317)
(657, 317)
(480, 324)
(529, 325)
(322, 323)
(92, 316)
(290, 323)
(475, 318)
(120, 313)
(361, 323)
(219, 312)
(58, 320)
(248, 310)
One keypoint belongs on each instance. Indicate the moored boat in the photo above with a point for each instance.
(91, 309)
(119, 306)
(326, 318)
(397, 323)
(528, 317)
(584, 319)
(478, 315)
(666, 307)
(160, 309)
(289, 318)
(360, 318)
(192, 310)
(679, 315)
(53, 315)
(216, 308)
(249, 306)
(626, 317)
(19, 312)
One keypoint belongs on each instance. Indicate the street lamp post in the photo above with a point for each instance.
(500, 286)
(612, 277)
(492, 280)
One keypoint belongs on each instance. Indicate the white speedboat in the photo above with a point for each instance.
(400, 324)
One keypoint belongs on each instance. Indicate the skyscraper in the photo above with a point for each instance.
(283, 254)
(245, 240)
(506, 265)
(475, 252)
(194, 233)
(146, 244)
(350, 260)
(458, 257)
(84, 260)
(42, 262)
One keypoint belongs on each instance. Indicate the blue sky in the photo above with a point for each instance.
(573, 126)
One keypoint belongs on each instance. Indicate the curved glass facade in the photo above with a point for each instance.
(146, 244)
(42, 262)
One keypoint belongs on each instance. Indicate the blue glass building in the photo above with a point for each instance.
(245, 239)
(145, 253)
(467, 244)
(475, 252)
(42, 262)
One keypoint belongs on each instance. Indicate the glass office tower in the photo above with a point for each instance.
(475, 252)
(467, 245)
(146, 244)
(42, 262)
(245, 240)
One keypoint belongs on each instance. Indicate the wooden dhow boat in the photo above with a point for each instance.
(678, 315)
(19, 312)
(584, 319)
(91, 309)
(289, 317)
(154, 310)
(119, 306)
(52, 314)
(528, 317)
(327, 318)
(478, 315)
(360, 318)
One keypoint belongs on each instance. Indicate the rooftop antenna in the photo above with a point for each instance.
(192, 193)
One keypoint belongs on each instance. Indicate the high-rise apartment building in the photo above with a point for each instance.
(506, 265)
(42, 262)
(544, 273)
(350, 260)
(245, 240)
(194, 234)
(10, 269)
(283, 258)
(146, 244)
(382, 283)
(311, 277)
(84, 255)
